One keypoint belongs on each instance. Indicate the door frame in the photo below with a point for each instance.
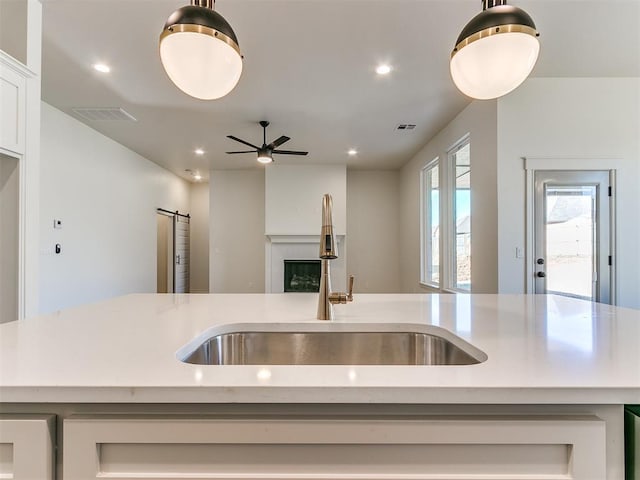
(531, 165)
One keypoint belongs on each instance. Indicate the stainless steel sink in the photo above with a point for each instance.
(344, 344)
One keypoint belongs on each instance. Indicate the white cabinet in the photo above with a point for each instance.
(369, 448)
(12, 105)
(27, 447)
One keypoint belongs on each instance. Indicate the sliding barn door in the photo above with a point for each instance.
(181, 254)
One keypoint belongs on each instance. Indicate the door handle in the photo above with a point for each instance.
(540, 261)
(541, 274)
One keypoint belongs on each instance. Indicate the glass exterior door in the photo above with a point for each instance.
(572, 256)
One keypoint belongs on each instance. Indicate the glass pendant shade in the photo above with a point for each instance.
(200, 53)
(495, 53)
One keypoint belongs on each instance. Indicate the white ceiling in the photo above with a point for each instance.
(309, 70)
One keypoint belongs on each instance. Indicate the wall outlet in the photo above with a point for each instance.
(57, 224)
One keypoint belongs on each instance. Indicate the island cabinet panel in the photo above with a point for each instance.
(429, 448)
(27, 447)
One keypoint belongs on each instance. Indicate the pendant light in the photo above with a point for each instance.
(199, 51)
(495, 52)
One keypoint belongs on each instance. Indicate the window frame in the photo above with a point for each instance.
(450, 252)
(426, 245)
(447, 238)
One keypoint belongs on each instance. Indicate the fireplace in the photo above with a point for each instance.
(281, 248)
(301, 275)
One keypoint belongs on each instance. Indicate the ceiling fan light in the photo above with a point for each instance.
(200, 53)
(264, 157)
(495, 52)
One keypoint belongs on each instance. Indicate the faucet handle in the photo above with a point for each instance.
(350, 293)
(342, 297)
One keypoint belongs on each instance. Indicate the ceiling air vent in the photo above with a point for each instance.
(110, 114)
(405, 127)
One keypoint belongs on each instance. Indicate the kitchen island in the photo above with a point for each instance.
(548, 400)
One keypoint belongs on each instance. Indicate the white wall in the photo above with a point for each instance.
(106, 196)
(373, 226)
(479, 120)
(199, 261)
(570, 118)
(237, 241)
(293, 198)
(9, 191)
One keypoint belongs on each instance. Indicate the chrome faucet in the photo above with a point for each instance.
(329, 251)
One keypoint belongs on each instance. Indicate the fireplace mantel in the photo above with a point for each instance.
(295, 238)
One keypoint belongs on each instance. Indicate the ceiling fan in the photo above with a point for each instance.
(265, 152)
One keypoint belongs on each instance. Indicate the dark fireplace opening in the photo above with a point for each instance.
(302, 275)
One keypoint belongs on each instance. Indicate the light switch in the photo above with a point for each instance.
(519, 252)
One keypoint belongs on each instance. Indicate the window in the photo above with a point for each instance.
(460, 161)
(446, 220)
(431, 224)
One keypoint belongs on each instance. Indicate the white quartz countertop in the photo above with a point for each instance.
(540, 349)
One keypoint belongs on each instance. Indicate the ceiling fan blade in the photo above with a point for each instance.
(276, 143)
(242, 141)
(244, 151)
(289, 152)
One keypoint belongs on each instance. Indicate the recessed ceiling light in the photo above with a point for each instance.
(196, 175)
(383, 69)
(198, 151)
(102, 68)
(352, 152)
